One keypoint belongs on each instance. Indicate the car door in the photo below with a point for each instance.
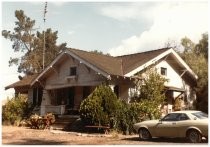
(167, 127)
(182, 124)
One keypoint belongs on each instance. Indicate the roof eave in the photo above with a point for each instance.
(107, 75)
(154, 60)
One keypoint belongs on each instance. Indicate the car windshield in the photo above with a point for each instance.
(200, 115)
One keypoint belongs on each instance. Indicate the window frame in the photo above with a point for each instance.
(163, 71)
(73, 71)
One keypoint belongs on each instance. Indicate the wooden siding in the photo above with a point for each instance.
(84, 77)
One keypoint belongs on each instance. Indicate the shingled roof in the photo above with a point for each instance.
(119, 65)
(26, 81)
(132, 61)
(108, 64)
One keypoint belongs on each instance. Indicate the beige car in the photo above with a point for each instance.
(192, 125)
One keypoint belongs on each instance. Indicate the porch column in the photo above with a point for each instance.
(45, 101)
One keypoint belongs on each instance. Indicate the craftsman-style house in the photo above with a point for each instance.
(74, 74)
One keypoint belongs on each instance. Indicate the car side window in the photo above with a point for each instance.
(183, 117)
(171, 117)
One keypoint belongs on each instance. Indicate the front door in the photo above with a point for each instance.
(70, 99)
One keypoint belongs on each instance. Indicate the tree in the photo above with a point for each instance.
(202, 46)
(196, 56)
(100, 52)
(26, 39)
(150, 93)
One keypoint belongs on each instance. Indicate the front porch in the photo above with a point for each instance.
(64, 101)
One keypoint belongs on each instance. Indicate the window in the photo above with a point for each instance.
(163, 71)
(183, 117)
(200, 115)
(73, 71)
(171, 117)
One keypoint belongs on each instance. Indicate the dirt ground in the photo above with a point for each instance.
(26, 136)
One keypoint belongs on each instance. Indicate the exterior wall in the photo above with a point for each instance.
(173, 78)
(60, 77)
(85, 76)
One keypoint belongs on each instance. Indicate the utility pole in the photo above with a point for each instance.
(45, 11)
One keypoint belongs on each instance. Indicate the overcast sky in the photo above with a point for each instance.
(111, 27)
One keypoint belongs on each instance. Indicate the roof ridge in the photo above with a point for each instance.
(91, 52)
(148, 51)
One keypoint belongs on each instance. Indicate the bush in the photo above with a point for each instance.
(38, 122)
(15, 110)
(99, 107)
(150, 93)
(126, 116)
(102, 107)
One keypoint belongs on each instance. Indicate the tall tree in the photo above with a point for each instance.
(26, 39)
(202, 46)
(196, 56)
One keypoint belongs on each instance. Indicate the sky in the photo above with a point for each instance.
(112, 27)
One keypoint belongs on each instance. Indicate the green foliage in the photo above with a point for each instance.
(30, 42)
(15, 109)
(99, 107)
(100, 52)
(202, 46)
(103, 108)
(199, 52)
(151, 93)
(126, 115)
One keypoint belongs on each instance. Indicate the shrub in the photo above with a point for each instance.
(38, 122)
(102, 107)
(151, 94)
(15, 110)
(34, 121)
(126, 116)
(99, 107)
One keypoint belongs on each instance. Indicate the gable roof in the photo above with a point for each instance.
(126, 65)
(132, 61)
(108, 64)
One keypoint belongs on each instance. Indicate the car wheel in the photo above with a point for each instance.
(194, 136)
(144, 134)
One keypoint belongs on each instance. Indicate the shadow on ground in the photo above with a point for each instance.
(27, 141)
(163, 140)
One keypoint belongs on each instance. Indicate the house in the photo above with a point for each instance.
(74, 74)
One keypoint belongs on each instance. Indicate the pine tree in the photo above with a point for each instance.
(27, 40)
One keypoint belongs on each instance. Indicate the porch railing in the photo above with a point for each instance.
(59, 109)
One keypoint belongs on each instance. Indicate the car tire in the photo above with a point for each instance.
(144, 134)
(194, 136)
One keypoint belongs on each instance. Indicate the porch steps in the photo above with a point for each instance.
(64, 122)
